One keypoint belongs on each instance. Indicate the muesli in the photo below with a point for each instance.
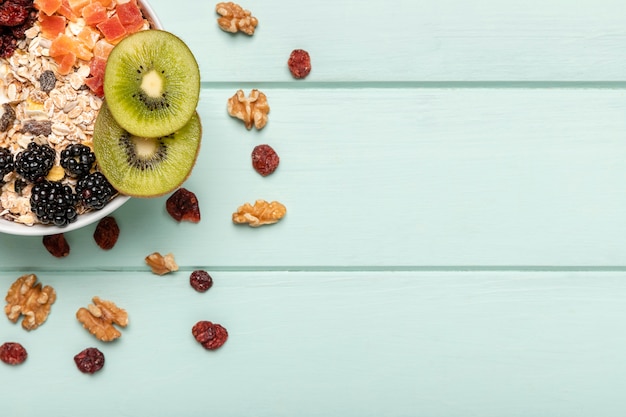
(49, 102)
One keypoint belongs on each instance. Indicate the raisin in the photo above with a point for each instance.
(210, 335)
(106, 233)
(12, 353)
(57, 245)
(89, 361)
(299, 63)
(7, 118)
(200, 280)
(37, 127)
(47, 81)
(183, 206)
(264, 159)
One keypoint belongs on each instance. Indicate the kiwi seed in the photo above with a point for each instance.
(152, 83)
(144, 167)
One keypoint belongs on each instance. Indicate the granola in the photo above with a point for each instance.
(59, 116)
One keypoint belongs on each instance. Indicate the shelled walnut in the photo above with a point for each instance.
(252, 109)
(160, 264)
(235, 19)
(27, 297)
(99, 319)
(261, 213)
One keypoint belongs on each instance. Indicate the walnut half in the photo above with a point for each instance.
(27, 297)
(260, 214)
(161, 264)
(253, 110)
(99, 319)
(235, 19)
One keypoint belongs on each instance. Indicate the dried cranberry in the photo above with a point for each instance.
(19, 31)
(89, 360)
(183, 206)
(200, 280)
(13, 14)
(210, 335)
(106, 233)
(16, 17)
(57, 245)
(12, 353)
(265, 160)
(299, 63)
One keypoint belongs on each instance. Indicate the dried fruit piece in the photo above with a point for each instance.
(253, 110)
(89, 361)
(29, 298)
(56, 173)
(106, 233)
(260, 214)
(235, 19)
(264, 159)
(16, 16)
(47, 81)
(13, 353)
(12, 13)
(7, 118)
(200, 280)
(57, 245)
(299, 63)
(183, 206)
(99, 319)
(37, 127)
(160, 264)
(210, 335)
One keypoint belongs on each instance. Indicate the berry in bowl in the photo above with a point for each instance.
(74, 148)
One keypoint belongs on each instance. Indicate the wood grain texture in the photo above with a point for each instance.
(404, 40)
(393, 178)
(314, 344)
(453, 173)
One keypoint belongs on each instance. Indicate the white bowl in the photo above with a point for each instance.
(9, 227)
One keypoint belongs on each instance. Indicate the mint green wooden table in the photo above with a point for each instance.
(454, 245)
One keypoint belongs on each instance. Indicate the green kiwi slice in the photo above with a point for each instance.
(152, 83)
(145, 167)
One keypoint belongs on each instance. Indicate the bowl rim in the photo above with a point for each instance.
(86, 219)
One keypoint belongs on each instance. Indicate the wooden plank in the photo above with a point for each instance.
(353, 343)
(448, 177)
(404, 40)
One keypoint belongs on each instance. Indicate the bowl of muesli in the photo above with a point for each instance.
(52, 60)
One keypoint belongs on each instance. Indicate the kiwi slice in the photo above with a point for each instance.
(140, 166)
(152, 83)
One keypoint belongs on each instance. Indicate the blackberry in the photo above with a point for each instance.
(6, 162)
(94, 190)
(35, 162)
(53, 203)
(77, 159)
